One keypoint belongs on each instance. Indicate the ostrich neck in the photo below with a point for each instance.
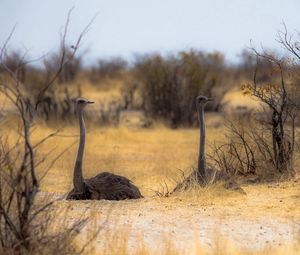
(78, 177)
(201, 158)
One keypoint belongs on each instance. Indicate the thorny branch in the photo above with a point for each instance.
(19, 183)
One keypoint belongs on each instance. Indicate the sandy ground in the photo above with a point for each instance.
(187, 225)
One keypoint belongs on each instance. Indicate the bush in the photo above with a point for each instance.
(269, 143)
(24, 223)
(170, 85)
(112, 68)
(71, 68)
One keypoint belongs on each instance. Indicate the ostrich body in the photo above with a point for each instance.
(104, 185)
(202, 175)
(206, 176)
(201, 102)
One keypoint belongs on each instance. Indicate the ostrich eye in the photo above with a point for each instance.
(80, 101)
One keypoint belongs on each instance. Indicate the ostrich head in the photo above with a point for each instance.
(82, 102)
(203, 100)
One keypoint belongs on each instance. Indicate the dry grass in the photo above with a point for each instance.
(235, 99)
(107, 90)
(118, 245)
(151, 158)
(147, 156)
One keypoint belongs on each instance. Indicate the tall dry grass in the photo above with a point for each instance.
(152, 158)
(117, 243)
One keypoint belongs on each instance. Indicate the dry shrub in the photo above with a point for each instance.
(252, 147)
(71, 69)
(24, 223)
(169, 85)
(107, 69)
(266, 145)
(246, 152)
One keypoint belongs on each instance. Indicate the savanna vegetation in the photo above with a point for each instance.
(143, 125)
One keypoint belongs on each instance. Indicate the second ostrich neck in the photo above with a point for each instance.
(78, 176)
(201, 158)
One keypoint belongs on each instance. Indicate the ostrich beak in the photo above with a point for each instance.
(91, 102)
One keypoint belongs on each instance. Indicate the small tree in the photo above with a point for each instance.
(280, 99)
(19, 183)
(268, 141)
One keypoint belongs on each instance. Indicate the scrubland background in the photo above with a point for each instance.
(144, 126)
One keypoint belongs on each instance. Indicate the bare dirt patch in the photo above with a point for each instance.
(249, 223)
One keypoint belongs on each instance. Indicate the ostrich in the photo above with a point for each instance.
(208, 175)
(104, 185)
(199, 175)
(202, 175)
(201, 101)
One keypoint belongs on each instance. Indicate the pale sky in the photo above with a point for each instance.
(126, 27)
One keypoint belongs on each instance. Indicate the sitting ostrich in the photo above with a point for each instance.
(203, 175)
(201, 101)
(208, 175)
(104, 185)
